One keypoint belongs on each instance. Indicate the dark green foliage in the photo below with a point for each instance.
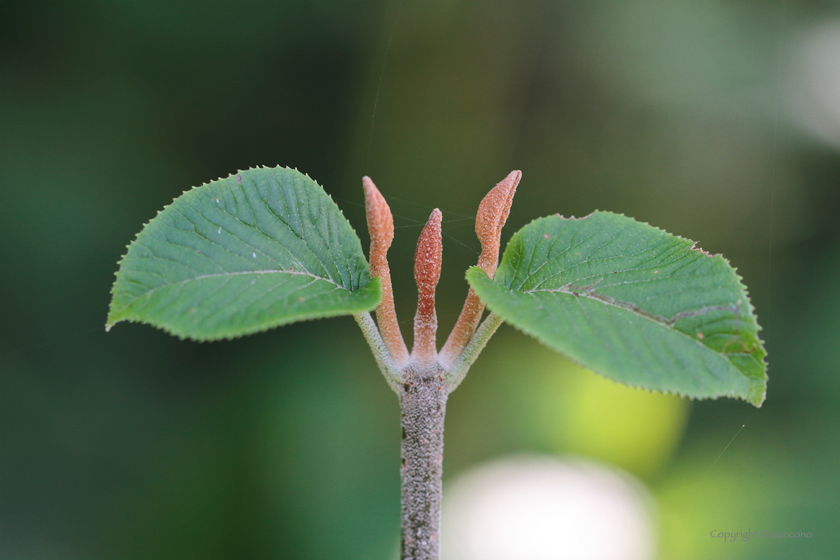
(255, 250)
(632, 303)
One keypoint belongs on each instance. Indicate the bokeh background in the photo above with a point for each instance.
(718, 120)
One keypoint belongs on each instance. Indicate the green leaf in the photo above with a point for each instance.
(255, 250)
(632, 303)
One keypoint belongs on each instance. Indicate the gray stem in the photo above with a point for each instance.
(423, 386)
(423, 403)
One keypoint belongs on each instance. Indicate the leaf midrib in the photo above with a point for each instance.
(239, 273)
(575, 291)
(659, 320)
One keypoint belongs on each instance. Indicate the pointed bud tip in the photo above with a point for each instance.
(379, 218)
(495, 208)
(372, 194)
(431, 235)
(429, 254)
(367, 184)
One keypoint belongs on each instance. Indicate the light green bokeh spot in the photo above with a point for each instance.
(580, 412)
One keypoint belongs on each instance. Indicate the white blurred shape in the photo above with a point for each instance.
(546, 508)
(816, 81)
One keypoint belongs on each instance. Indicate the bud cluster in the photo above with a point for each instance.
(492, 214)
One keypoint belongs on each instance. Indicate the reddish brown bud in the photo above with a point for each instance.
(379, 219)
(427, 258)
(381, 228)
(492, 215)
(427, 265)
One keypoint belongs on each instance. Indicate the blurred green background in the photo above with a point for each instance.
(695, 116)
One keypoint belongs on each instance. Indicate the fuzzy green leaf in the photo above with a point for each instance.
(255, 250)
(632, 303)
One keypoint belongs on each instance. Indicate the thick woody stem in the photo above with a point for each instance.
(381, 227)
(427, 264)
(423, 404)
(492, 215)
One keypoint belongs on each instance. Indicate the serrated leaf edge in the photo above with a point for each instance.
(306, 317)
(754, 398)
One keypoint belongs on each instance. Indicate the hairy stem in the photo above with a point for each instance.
(380, 352)
(424, 378)
(462, 365)
(423, 403)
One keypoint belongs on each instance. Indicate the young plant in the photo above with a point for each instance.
(267, 246)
